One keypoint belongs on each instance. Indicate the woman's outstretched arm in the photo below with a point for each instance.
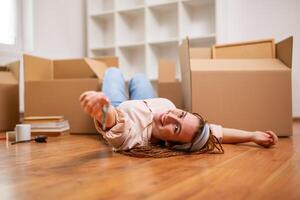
(233, 136)
(92, 102)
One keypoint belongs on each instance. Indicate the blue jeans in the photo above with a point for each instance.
(114, 87)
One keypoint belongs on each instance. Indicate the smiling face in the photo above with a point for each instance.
(175, 126)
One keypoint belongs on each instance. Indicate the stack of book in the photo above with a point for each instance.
(47, 125)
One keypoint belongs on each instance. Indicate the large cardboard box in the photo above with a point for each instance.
(251, 93)
(168, 86)
(53, 87)
(9, 96)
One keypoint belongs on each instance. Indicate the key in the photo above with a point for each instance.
(38, 139)
(105, 109)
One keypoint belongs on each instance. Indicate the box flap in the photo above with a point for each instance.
(184, 56)
(110, 61)
(252, 49)
(284, 51)
(238, 65)
(72, 68)
(36, 68)
(6, 77)
(97, 67)
(204, 53)
(14, 67)
(166, 71)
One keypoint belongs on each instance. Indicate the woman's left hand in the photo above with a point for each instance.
(265, 139)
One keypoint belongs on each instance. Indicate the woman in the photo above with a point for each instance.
(153, 127)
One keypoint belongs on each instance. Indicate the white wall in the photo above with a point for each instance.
(240, 20)
(59, 28)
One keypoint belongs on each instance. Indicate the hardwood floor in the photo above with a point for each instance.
(82, 167)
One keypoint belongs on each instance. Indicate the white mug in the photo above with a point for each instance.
(23, 132)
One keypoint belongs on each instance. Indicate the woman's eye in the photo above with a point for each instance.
(176, 129)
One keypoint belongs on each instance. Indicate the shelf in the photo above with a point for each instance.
(132, 45)
(131, 27)
(102, 47)
(101, 30)
(202, 41)
(167, 41)
(102, 52)
(162, 22)
(99, 6)
(198, 18)
(102, 14)
(141, 32)
(130, 10)
(132, 60)
(161, 51)
(152, 3)
(129, 4)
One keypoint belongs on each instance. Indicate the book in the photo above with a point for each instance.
(42, 119)
(47, 125)
(50, 125)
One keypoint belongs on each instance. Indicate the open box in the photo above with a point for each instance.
(9, 96)
(168, 86)
(53, 87)
(239, 91)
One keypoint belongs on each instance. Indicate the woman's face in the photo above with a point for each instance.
(175, 126)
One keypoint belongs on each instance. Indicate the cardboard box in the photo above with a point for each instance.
(168, 87)
(53, 87)
(110, 61)
(251, 94)
(9, 96)
(253, 49)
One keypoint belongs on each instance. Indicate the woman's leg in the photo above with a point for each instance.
(114, 86)
(140, 87)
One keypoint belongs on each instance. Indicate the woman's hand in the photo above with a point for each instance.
(92, 103)
(265, 139)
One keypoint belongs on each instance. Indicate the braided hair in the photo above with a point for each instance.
(161, 150)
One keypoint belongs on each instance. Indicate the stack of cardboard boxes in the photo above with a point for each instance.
(9, 97)
(245, 86)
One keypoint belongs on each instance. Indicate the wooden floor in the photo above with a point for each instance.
(82, 167)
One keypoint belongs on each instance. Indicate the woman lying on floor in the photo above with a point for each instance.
(153, 127)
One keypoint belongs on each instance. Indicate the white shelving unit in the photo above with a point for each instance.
(140, 32)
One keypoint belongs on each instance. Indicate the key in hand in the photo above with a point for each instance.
(105, 109)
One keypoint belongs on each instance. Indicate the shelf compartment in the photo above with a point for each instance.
(162, 22)
(131, 27)
(99, 6)
(198, 18)
(129, 4)
(101, 31)
(157, 51)
(102, 52)
(132, 60)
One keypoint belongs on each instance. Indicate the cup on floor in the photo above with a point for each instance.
(23, 132)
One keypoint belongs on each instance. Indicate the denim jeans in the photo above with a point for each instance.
(114, 87)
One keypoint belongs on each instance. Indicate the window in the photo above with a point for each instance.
(8, 22)
(9, 25)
